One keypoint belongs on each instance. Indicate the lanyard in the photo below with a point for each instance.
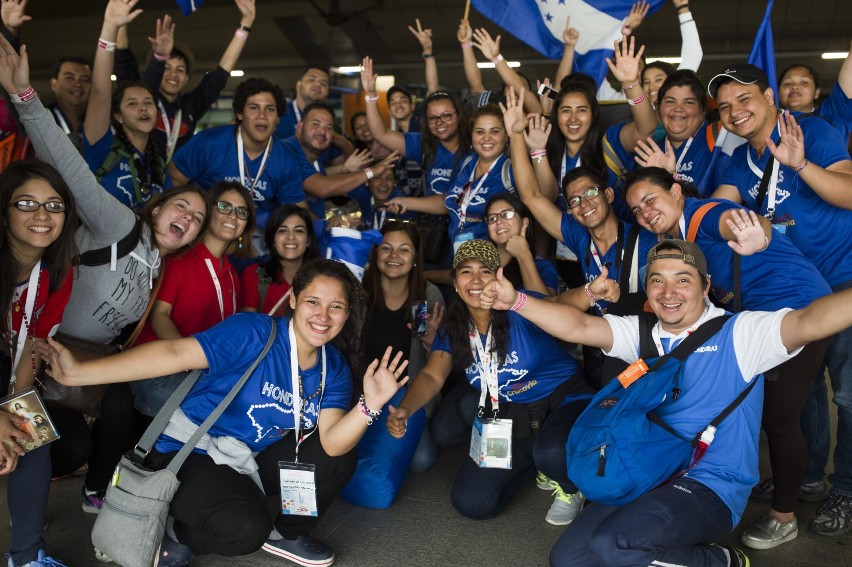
(61, 120)
(296, 380)
(172, 129)
(141, 190)
(296, 111)
(673, 341)
(218, 287)
(565, 165)
(378, 222)
(488, 364)
(472, 191)
(29, 309)
(619, 253)
(681, 225)
(241, 161)
(685, 149)
(773, 180)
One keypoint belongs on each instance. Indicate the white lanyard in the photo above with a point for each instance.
(378, 222)
(296, 111)
(682, 225)
(672, 345)
(685, 149)
(27, 318)
(472, 191)
(295, 380)
(172, 129)
(316, 165)
(596, 257)
(772, 192)
(218, 287)
(61, 120)
(565, 165)
(488, 368)
(241, 160)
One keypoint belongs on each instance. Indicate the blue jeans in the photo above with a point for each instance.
(150, 395)
(26, 493)
(672, 525)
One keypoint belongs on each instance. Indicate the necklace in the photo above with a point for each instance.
(27, 326)
(302, 391)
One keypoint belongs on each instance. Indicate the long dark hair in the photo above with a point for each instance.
(153, 170)
(416, 281)
(659, 177)
(273, 268)
(684, 78)
(58, 255)
(590, 152)
(241, 247)
(161, 199)
(512, 270)
(429, 143)
(348, 341)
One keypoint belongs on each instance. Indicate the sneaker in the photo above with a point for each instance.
(92, 501)
(544, 483)
(565, 507)
(769, 533)
(302, 551)
(42, 561)
(808, 491)
(736, 557)
(834, 517)
(172, 553)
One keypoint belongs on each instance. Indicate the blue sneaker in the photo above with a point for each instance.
(173, 554)
(42, 561)
(302, 551)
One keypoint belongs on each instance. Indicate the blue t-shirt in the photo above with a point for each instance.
(463, 186)
(376, 219)
(820, 230)
(837, 109)
(287, 127)
(262, 411)
(778, 277)
(577, 237)
(547, 272)
(211, 156)
(534, 367)
(306, 169)
(440, 171)
(119, 180)
(698, 166)
(625, 161)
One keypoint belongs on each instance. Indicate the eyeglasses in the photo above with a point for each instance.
(508, 214)
(445, 117)
(30, 206)
(588, 195)
(225, 208)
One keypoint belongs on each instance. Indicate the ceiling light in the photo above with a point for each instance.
(113, 78)
(836, 55)
(672, 60)
(237, 73)
(491, 65)
(347, 70)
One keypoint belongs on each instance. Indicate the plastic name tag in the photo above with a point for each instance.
(298, 489)
(491, 443)
(633, 373)
(460, 239)
(781, 228)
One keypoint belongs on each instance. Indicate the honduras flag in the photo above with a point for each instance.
(540, 23)
(189, 6)
(352, 247)
(763, 49)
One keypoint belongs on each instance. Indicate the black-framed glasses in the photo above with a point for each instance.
(588, 195)
(508, 214)
(444, 117)
(225, 208)
(30, 206)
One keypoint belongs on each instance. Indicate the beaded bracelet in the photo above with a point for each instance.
(593, 301)
(538, 155)
(628, 87)
(639, 100)
(368, 413)
(519, 302)
(371, 99)
(241, 33)
(106, 44)
(23, 96)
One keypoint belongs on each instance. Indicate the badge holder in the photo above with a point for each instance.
(491, 443)
(298, 489)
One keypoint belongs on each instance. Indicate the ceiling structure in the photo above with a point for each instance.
(288, 34)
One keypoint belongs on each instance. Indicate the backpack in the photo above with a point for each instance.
(619, 449)
(505, 173)
(109, 254)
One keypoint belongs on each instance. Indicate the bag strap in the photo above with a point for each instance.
(647, 349)
(630, 251)
(263, 283)
(695, 221)
(688, 345)
(141, 323)
(613, 162)
(146, 443)
(102, 256)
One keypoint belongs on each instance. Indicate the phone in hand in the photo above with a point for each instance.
(549, 92)
(418, 318)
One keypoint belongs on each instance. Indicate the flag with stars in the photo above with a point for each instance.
(189, 6)
(763, 49)
(540, 23)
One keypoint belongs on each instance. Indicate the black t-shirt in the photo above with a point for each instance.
(386, 328)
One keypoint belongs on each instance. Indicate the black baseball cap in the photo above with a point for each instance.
(399, 89)
(743, 73)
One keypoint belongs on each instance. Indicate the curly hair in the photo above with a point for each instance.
(253, 86)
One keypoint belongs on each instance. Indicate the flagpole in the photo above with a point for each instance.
(466, 10)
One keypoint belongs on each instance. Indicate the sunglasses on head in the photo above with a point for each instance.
(225, 208)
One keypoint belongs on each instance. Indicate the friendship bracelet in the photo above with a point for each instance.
(628, 87)
(497, 59)
(369, 173)
(639, 100)
(593, 301)
(804, 165)
(371, 99)
(368, 413)
(467, 44)
(538, 155)
(106, 45)
(766, 239)
(241, 33)
(159, 57)
(23, 96)
(519, 302)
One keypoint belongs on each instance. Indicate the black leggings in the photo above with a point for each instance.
(218, 510)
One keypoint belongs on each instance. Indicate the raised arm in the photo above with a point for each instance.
(118, 13)
(381, 133)
(691, 52)
(325, 186)
(238, 41)
(424, 38)
(471, 69)
(490, 48)
(824, 317)
(570, 36)
(432, 205)
(844, 78)
(13, 14)
(519, 248)
(626, 71)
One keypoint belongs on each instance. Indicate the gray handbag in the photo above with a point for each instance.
(131, 523)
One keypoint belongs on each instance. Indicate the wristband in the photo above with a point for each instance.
(630, 86)
(639, 100)
(369, 173)
(538, 155)
(371, 99)
(23, 96)
(242, 34)
(159, 57)
(428, 55)
(497, 59)
(682, 7)
(519, 302)
(467, 44)
(368, 413)
(804, 165)
(245, 28)
(106, 45)
(592, 299)
(766, 239)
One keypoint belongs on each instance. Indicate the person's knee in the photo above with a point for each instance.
(244, 533)
(604, 545)
(469, 506)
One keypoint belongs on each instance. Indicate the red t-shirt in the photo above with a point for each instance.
(190, 289)
(249, 295)
(48, 312)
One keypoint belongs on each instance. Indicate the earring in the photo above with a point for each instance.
(240, 243)
(415, 265)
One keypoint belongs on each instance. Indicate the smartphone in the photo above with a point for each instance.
(549, 92)
(418, 318)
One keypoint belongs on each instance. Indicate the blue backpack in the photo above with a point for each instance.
(619, 449)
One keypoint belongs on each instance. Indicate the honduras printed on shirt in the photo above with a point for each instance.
(778, 277)
(487, 187)
(820, 230)
(711, 378)
(211, 156)
(262, 412)
(118, 182)
(307, 169)
(440, 171)
(535, 364)
(577, 238)
(837, 109)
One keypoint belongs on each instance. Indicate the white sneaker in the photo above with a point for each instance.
(565, 507)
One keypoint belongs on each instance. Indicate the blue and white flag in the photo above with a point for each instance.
(352, 247)
(763, 49)
(540, 23)
(189, 6)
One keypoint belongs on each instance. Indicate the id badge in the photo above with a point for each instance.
(298, 489)
(491, 443)
(781, 228)
(564, 253)
(460, 239)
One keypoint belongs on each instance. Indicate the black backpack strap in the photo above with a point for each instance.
(647, 349)
(693, 341)
(102, 256)
(738, 295)
(630, 250)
